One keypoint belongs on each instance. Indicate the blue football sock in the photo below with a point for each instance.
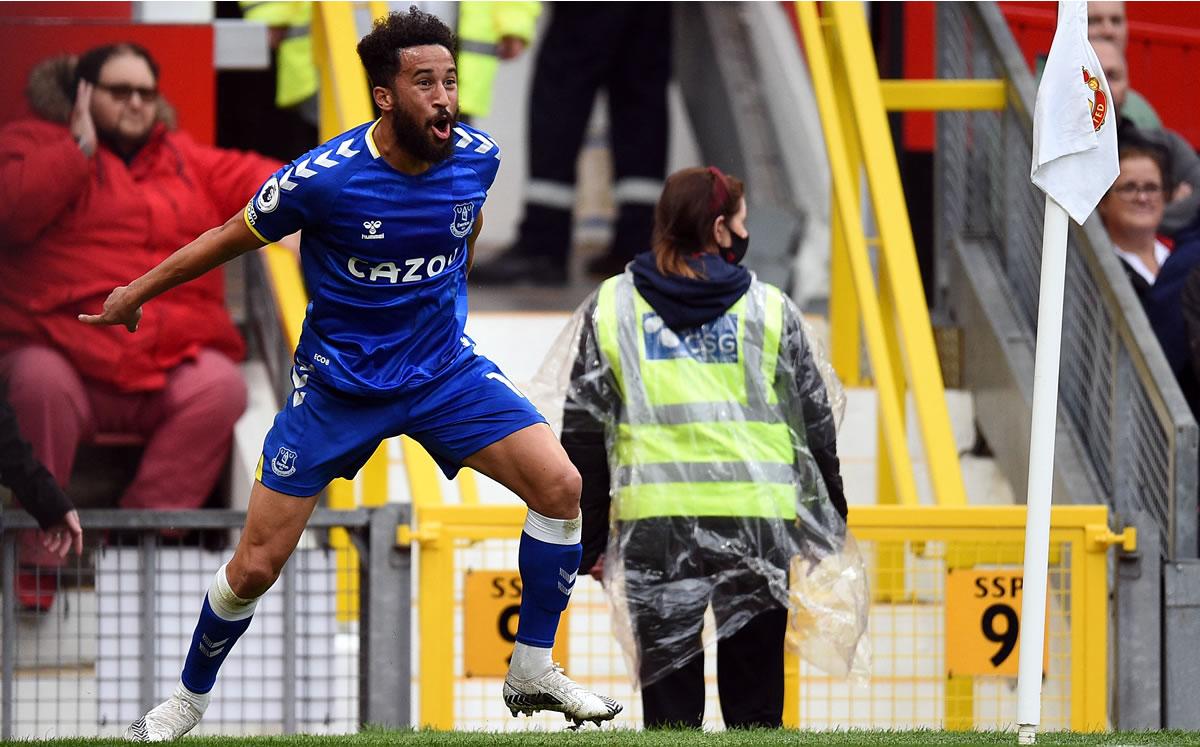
(548, 559)
(215, 634)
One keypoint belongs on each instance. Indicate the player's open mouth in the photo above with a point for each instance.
(441, 128)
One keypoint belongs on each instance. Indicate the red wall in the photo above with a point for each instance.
(114, 11)
(919, 62)
(184, 54)
(1163, 56)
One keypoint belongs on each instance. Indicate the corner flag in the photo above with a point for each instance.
(1074, 121)
(1074, 163)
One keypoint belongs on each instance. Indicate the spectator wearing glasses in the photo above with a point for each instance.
(97, 188)
(1181, 165)
(1132, 212)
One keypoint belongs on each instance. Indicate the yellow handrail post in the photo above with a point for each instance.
(885, 489)
(845, 338)
(846, 203)
(903, 277)
(1089, 682)
(340, 496)
(373, 478)
(436, 616)
(845, 323)
(791, 690)
(422, 473)
(890, 581)
(958, 695)
(345, 96)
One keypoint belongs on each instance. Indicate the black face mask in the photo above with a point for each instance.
(736, 251)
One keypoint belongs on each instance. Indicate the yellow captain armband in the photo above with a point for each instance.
(250, 217)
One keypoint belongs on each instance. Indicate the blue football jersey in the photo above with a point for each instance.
(383, 255)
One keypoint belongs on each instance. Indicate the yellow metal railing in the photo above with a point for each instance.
(892, 315)
(942, 95)
(912, 683)
(344, 95)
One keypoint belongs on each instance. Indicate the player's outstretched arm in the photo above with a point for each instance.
(211, 249)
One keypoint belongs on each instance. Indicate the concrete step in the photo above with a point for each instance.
(858, 443)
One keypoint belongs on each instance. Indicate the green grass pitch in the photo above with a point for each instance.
(593, 737)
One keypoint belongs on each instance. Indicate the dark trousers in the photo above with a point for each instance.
(749, 681)
(624, 48)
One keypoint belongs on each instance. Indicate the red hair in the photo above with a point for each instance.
(692, 199)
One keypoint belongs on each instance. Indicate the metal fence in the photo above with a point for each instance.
(1132, 428)
(112, 643)
(120, 619)
(912, 684)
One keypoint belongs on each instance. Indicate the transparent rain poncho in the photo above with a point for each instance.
(733, 513)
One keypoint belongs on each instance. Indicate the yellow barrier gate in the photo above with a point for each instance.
(959, 570)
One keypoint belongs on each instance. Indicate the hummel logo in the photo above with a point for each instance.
(372, 227)
(466, 140)
(569, 578)
(210, 648)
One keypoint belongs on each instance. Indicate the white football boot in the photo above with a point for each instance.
(170, 719)
(554, 691)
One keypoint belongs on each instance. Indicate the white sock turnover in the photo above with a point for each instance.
(529, 661)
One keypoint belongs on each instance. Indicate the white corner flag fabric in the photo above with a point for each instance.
(1074, 122)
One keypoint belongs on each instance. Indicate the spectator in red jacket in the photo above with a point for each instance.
(99, 188)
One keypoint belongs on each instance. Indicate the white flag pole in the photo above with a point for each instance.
(1041, 471)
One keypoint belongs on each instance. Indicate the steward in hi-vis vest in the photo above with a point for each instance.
(489, 32)
(697, 407)
(291, 24)
(701, 423)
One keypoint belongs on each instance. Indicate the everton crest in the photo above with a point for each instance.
(464, 219)
(284, 463)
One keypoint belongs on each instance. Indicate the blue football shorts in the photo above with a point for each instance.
(322, 433)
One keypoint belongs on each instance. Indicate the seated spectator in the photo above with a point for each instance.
(99, 188)
(1132, 211)
(1182, 165)
(1107, 22)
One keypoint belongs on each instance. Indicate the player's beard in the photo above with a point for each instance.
(415, 136)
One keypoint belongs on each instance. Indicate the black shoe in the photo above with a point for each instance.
(606, 265)
(514, 267)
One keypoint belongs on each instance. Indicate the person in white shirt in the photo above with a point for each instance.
(1131, 212)
(1167, 282)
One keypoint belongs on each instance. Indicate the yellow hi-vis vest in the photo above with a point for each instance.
(296, 79)
(701, 431)
(480, 26)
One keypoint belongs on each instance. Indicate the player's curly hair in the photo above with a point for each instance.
(380, 49)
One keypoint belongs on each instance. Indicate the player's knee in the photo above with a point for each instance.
(560, 495)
